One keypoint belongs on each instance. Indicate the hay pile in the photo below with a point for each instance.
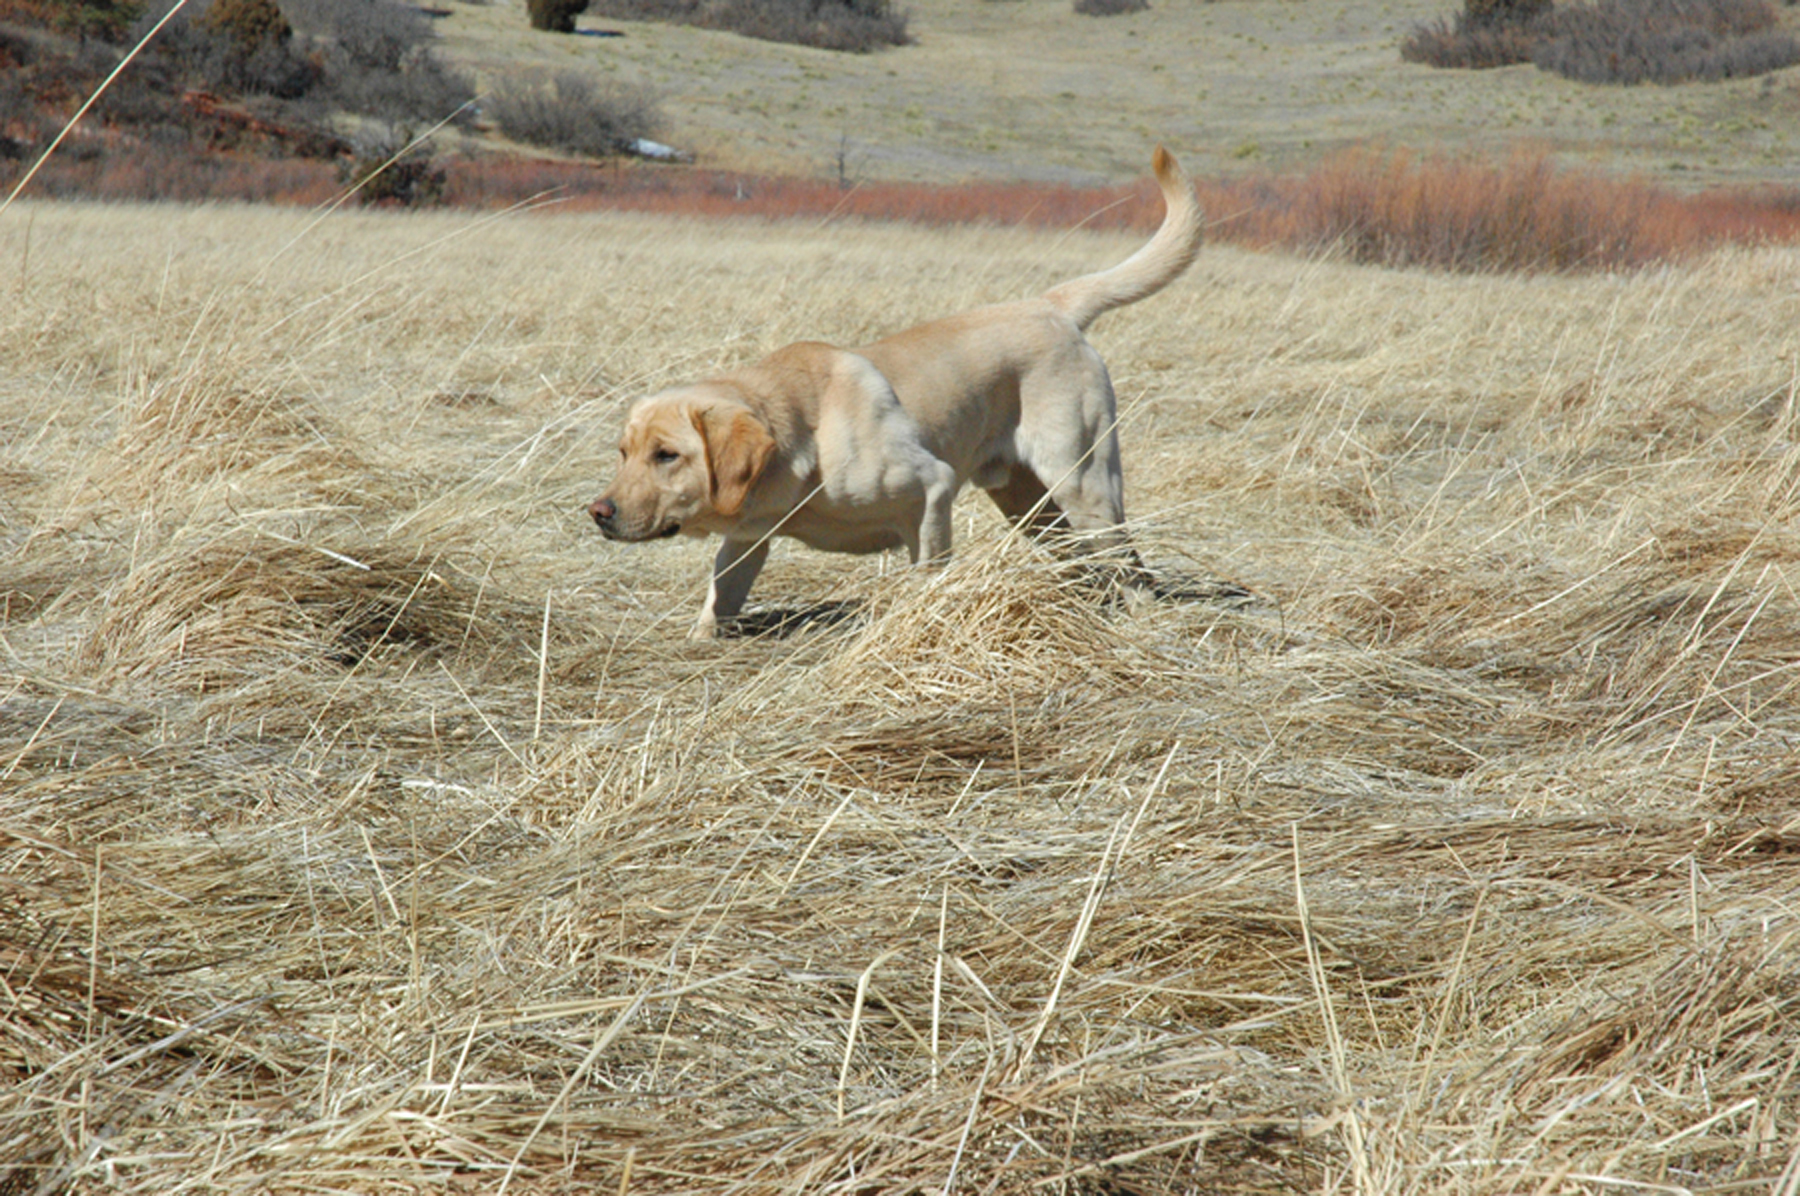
(367, 824)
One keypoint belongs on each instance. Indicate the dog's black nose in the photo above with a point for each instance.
(602, 509)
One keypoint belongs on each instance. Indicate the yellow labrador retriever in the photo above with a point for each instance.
(862, 451)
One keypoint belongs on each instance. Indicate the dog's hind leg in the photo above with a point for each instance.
(1025, 502)
(1088, 498)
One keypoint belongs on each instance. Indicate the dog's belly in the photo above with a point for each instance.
(839, 535)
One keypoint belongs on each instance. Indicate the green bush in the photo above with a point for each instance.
(247, 24)
(555, 16)
(391, 178)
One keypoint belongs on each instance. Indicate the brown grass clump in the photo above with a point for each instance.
(366, 822)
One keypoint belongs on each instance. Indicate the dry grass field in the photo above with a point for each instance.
(368, 824)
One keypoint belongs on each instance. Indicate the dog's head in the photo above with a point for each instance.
(687, 461)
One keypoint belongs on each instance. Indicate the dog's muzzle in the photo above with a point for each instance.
(606, 514)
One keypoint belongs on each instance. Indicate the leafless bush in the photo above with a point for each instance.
(1665, 41)
(104, 19)
(221, 54)
(1492, 13)
(1486, 34)
(1109, 8)
(378, 59)
(1459, 45)
(20, 125)
(1611, 41)
(857, 26)
(568, 112)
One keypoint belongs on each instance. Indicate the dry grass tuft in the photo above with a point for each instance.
(1002, 616)
(202, 616)
(367, 823)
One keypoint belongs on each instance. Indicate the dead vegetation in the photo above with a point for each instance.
(367, 824)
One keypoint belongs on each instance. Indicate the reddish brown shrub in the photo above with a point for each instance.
(1457, 214)
(1386, 209)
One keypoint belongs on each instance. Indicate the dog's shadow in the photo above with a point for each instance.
(1173, 586)
(782, 622)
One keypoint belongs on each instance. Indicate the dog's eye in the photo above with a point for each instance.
(664, 456)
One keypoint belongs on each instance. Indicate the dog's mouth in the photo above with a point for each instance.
(613, 533)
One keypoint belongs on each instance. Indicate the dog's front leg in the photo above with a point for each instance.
(734, 571)
(933, 546)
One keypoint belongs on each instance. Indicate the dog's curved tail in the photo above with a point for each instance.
(1151, 268)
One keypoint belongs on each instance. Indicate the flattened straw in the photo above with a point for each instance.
(806, 853)
(1340, 1072)
(937, 983)
(94, 939)
(1077, 939)
(32, 742)
(1096, 889)
(962, 1140)
(480, 713)
(856, 1008)
(1712, 678)
(600, 1044)
(180, 1036)
(375, 862)
(1700, 1127)
(1789, 1183)
(1437, 1030)
(1596, 575)
(605, 1040)
(537, 723)
(462, 1059)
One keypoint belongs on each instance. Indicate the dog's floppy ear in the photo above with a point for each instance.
(738, 446)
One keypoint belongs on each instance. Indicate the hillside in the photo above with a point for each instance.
(1026, 89)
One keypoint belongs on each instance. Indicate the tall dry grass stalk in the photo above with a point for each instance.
(367, 823)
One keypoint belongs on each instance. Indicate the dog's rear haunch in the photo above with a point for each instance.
(864, 450)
